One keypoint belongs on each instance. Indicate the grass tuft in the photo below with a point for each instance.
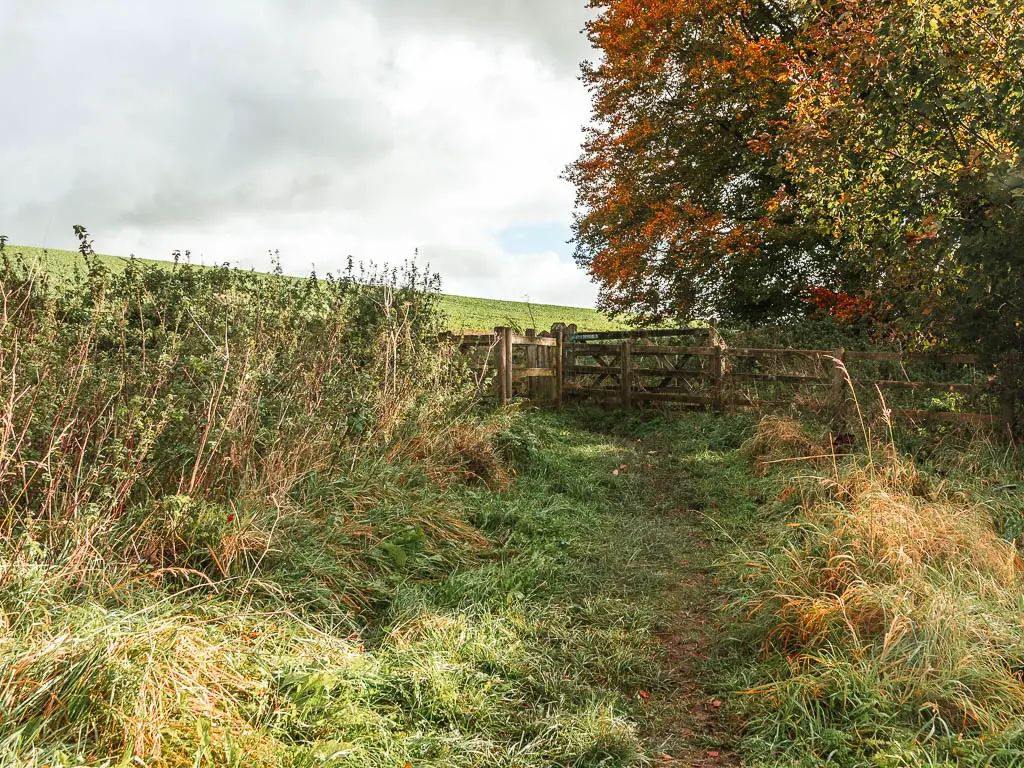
(780, 440)
(888, 611)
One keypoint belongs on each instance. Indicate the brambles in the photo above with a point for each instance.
(133, 390)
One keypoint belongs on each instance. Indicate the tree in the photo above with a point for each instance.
(684, 206)
(745, 156)
(905, 139)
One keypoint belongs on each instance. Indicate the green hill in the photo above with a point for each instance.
(465, 313)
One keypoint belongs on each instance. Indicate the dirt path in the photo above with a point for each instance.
(687, 496)
(689, 725)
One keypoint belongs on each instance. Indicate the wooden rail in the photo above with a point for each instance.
(638, 370)
(574, 336)
(545, 367)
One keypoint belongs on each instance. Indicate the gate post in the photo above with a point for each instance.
(718, 377)
(499, 347)
(506, 334)
(626, 374)
(559, 365)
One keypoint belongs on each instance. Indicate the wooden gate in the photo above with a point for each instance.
(953, 388)
(692, 366)
(527, 365)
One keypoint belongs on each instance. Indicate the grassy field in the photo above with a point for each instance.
(471, 314)
(464, 313)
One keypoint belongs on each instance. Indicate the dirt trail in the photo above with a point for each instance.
(683, 495)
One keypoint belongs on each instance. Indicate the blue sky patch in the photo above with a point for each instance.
(537, 237)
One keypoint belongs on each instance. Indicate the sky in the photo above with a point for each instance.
(316, 128)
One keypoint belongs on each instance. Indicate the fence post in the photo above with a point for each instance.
(718, 377)
(547, 391)
(839, 381)
(559, 365)
(532, 359)
(506, 334)
(626, 374)
(499, 347)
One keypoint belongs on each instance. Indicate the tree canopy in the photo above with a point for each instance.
(905, 137)
(743, 155)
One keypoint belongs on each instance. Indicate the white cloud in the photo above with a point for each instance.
(369, 127)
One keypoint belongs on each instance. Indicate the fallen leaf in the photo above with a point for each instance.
(712, 753)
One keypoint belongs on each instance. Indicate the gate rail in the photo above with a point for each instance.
(547, 367)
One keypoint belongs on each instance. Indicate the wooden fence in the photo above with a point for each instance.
(545, 368)
(527, 365)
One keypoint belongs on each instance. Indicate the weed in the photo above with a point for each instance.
(261, 521)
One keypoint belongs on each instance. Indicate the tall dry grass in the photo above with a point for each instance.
(133, 404)
(889, 610)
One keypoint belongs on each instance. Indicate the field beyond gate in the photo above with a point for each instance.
(693, 366)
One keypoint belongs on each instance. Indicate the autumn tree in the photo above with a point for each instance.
(744, 156)
(685, 208)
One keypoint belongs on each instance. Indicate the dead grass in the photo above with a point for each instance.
(461, 453)
(894, 596)
(780, 440)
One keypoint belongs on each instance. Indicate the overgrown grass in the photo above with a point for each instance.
(885, 604)
(253, 520)
(250, 520)
(509, 628)
(508, 662)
